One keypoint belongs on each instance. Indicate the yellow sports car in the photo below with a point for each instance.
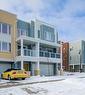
(15, 74)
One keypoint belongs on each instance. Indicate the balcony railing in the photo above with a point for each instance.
(49, 54)
(29, 52)
(23, 32)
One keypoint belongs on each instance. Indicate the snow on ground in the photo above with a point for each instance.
(73, 84)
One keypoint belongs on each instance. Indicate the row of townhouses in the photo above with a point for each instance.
(32, 46)
(74, 56)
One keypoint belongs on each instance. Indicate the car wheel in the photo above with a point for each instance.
(9, 78)
(23, 78)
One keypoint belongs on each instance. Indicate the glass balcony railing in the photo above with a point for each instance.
(49, 54)
(29, 52)
(22, 32)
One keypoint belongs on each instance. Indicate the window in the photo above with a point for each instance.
(0, 27)
(22, 32)
(47, 33)
(4, 28)
(4, 46)
(38, 33)
(70, 58)
(10, 47)
(9, 29)
(48, 36)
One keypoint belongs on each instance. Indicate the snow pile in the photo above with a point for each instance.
(71, 85)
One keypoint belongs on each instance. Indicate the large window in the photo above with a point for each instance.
(9, 47)
(9, 29)
(4, 28)
(47, 33)
(49, 36)
(6, 47)
(0, 27)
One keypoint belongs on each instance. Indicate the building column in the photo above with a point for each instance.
(61, 68)
(73, 68)
(22, 54)
(37, 70)
(56, 69)
(56, 37)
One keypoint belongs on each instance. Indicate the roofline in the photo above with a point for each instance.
(8, 12)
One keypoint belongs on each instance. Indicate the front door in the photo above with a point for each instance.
(26, 66)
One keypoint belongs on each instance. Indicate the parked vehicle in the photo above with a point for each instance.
(15, 74)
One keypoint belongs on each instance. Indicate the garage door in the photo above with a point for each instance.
(33, 67)
(4, 67)
(46, 69)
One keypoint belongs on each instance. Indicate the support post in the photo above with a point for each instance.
(61, 68)
(37, 70)
(22, 54)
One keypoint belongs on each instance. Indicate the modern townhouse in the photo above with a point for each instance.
(32, 46)
(77, 56)
(7, 40)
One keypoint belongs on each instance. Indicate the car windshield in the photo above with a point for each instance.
(8, 70)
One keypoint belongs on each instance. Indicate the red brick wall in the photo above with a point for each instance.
(65, 56)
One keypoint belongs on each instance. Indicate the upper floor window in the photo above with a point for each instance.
(47, 33)
(9, 29)
(5, 28)
(6, 47)
(22, 32)
(49, 36)
(9, 47)
(0, 27)
(70, 58)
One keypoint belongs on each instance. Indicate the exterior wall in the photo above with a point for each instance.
(9, 18)
(83, 52)
(74, 56)
(77, 56)
(65, 56)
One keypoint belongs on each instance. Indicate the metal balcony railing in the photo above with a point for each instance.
(29, 52)
(49, 54)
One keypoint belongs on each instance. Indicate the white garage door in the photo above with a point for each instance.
(4, 67)
(46, 69)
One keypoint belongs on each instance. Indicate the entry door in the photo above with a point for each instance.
(26, 66)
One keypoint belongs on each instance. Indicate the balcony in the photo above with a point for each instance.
(23, 32)
(44, 56)
(27, 52)
(49, 54)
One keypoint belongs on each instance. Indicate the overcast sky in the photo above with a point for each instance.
(67, 15)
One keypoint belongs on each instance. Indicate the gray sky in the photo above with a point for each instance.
(67, 15)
